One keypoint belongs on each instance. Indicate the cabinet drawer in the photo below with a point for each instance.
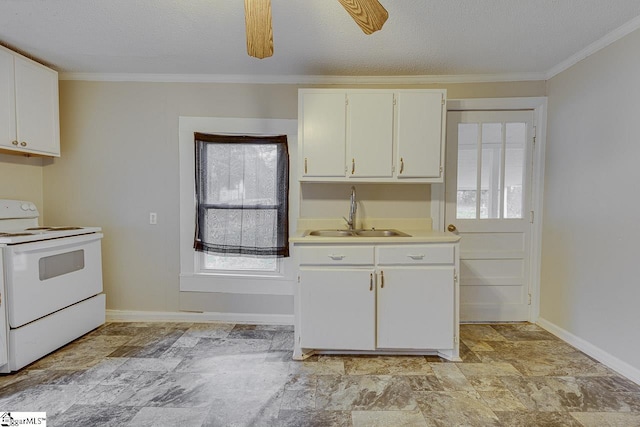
(336, 255)
(416, 254)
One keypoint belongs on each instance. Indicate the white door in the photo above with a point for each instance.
(488, 181)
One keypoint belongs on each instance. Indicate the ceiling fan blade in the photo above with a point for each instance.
(257, 16)
(368, 14)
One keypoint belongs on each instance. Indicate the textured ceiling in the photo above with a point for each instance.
(311, 37)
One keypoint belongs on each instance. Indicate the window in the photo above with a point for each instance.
(241, 185)
(491, 170)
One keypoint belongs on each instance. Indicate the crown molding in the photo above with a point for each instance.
(302, 79)
(605, 41)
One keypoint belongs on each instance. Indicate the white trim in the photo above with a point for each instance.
(597, 353)
(240, 284)
(605, 41)
(495, 103)
(539, 106)
(208, 317)
(302, 79)
(229, 283)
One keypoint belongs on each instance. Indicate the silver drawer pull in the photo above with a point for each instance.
(336, 257)
(416, 256)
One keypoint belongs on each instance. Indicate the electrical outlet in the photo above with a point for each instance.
(153, 218)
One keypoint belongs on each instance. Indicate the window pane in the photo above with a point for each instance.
(242, 195)
(490, 185)
(467, 170)
(239, 263)
(516, 134)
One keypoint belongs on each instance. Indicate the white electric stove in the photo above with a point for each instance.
(50, 286)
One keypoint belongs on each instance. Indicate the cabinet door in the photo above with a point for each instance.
(416, 308)
(370, 135)
(323, 134)
(337, 309)
(7, 101)
(419, 134)
(36, 90)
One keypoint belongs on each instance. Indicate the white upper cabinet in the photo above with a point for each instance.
(419, 134)
(29, 113)
(372, 135)
(322, 128)
(7, 100)
(369, 134)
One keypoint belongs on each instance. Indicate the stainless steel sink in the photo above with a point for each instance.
(381, 233)
(357, 233)
(330, 233)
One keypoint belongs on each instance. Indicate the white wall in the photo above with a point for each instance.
(591, 226)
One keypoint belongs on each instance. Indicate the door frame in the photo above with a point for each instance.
(539, 107)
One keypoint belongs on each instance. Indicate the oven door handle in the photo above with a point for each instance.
(57, 243)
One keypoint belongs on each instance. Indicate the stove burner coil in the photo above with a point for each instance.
(55, 228)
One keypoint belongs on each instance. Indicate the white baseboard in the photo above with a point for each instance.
(184, 316)
(597, 353)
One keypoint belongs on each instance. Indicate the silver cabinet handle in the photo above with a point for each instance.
(14, 142)
(371, 281)
(381, 279)
(305, 165)
(401, 164)
(23, 144)
(416, 256)
(336, 257)
(353, 166)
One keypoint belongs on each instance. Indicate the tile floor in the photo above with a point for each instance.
(196, 374)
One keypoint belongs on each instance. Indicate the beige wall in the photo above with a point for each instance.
(21, 179)
(120, 161)
(374, 200)
(590, 285)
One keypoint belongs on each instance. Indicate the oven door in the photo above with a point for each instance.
(44, 277)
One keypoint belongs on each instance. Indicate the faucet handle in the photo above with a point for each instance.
(347, 221)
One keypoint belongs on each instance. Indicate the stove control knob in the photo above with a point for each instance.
(32, 207)
(24, 206)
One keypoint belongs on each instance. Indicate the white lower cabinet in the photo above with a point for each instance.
(339, 308)
(415, 308)
(377, 298)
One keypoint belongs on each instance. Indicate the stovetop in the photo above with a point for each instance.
(35, 234)
(19, 224)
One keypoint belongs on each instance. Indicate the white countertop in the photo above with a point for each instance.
(419, 231)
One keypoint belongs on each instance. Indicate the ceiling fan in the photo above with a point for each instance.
(368, 14)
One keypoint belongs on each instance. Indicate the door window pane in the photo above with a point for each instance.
(491, 181)
(516, 134)
(467, 170)
(491, 170)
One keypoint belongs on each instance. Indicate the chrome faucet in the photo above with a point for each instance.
(351, 222)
